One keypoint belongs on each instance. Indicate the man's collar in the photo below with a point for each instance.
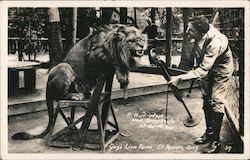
(202, 41)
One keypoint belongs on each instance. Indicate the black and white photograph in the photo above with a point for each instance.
(124, 79)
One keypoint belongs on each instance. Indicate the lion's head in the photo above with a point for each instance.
(132, 40)
(117, 45)
(126, 43)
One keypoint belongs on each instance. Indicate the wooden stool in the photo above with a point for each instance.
(99, 105)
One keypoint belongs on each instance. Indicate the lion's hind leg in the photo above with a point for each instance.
(60, 79)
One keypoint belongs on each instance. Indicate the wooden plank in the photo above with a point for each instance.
(67, 128)
(22, 65)
(100, 127)
(92, 105)
(111, 139)
(85, 102)
(61, 144)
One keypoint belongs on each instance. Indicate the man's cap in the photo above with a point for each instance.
(201, 23)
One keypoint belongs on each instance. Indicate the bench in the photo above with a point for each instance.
(29, 69)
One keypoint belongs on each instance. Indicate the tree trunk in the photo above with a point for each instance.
(152, 14)
(71, 28)
(106, 15)
(83, 23)
(74, 25)
(55, 37)
(123, 15)
(135, 15)
(186, 45)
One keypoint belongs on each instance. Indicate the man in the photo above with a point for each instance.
(215, 67)
(151, 31)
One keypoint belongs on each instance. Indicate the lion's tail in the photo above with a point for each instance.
(26, 136)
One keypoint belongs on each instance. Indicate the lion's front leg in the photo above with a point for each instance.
(77, 91)
(123, 80)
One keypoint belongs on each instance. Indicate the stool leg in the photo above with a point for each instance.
(190, 88)
(30, 79)
(52, 126)
(13, 82)
(113, 114)
(105, 113)
(100, 128)
(72, 116)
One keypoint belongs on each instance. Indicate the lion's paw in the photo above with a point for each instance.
(76, 96)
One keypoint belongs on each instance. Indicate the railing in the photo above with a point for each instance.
(43, 46)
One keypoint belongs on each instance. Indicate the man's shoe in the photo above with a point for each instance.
(213, 147)
(205, 138)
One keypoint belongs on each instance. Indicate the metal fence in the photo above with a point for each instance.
(231, 23)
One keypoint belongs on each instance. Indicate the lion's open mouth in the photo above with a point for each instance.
(139, 50)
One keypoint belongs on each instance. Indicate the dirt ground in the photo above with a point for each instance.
(142, 125)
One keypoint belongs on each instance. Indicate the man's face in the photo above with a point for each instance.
(192, 31)
(149, 22)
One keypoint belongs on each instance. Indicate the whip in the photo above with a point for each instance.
(190, 120)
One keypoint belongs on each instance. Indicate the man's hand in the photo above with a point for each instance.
(175, 80)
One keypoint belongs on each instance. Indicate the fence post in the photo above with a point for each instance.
(168, 36)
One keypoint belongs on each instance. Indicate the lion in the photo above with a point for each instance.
(108, 47)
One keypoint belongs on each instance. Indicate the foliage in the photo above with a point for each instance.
(29, 23)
